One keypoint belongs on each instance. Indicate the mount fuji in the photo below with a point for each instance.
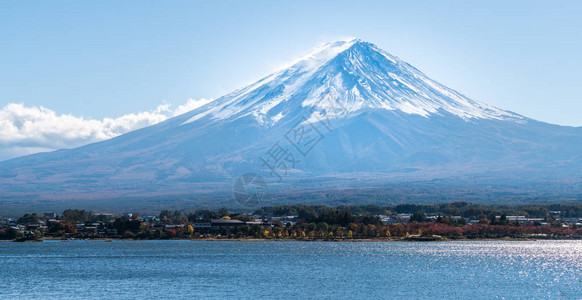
(347, 123)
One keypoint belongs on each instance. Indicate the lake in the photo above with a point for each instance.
(291, 270)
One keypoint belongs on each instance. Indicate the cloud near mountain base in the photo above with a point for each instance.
(31, 129)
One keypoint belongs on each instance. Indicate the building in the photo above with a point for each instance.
(50, 215)
(202, 224)
(173, 227)
(225, 223)
(90, 230)
(258, 223)
(521, 219)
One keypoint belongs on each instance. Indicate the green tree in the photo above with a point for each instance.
(419, 217)
(76, 215)
(223, 211)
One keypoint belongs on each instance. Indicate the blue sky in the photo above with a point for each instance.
(98, 59)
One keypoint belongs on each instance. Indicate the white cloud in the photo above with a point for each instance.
(26, 130)
(190, 105)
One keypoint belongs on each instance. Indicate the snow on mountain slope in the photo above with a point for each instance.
(358, 75)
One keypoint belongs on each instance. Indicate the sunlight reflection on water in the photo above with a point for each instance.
(178, 269)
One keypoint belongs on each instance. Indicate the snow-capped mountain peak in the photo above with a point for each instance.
(357, 75)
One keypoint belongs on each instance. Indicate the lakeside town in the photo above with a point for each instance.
(458, 220)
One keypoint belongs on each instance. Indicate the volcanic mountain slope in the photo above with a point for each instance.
(346, 114)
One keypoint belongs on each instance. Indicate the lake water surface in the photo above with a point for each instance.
(290, 270)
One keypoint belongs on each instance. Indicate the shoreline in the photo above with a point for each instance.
(353, 240)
